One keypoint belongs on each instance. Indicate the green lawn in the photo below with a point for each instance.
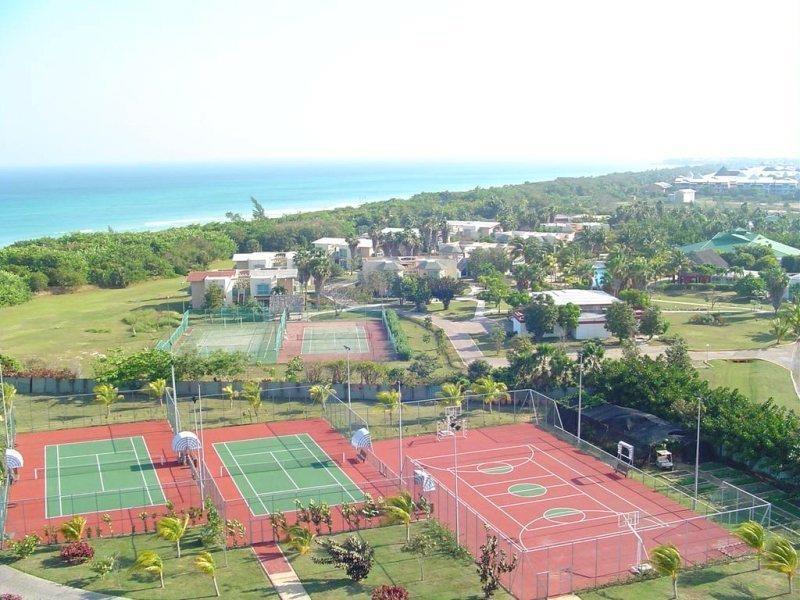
(242, 578)
(445, 577)
(756, 379)
(459, 310)
(730, 581)
(70, 330)
(743, 331)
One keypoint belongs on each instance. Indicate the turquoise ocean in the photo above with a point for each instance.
(36, 202)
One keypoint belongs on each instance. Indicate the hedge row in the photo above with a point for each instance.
(401, 344)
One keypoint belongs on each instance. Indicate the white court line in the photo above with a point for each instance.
(328, 470)
(261, 453)
(485, 451)
(540, 499)
(141, 471)
(478, 485)
(246, 478)
(100, 473)
(507, 493)
(280, 464)
(58, 478)
(93, 453)
(574, 470)
(150, 458)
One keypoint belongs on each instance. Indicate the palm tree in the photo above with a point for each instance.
(156, 389)
(251, 391)
(172, 529)
(73, 529)
(491, 390)
(780, 328)
(205, 564)
(320, 393)
(400, 509)
(106, 394)
(352, 245)
(452, 394)
(149, 562)
(782, 558)
(230, 393)
(8, 391)
(300, 539)
(390, 400)
(752, 534)
(320, 269)
(666, 560)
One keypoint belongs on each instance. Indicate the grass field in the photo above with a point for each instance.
(70, 330)
(242, 578)
(756, 379)
(445, 577)
(743, 331)
(738, 580)
(459, 310)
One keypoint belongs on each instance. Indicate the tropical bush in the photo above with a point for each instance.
(390, 592)
(76, 553)
(402, 346)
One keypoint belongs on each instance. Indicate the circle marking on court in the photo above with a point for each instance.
(495, 468)
(527, 490)
(564, 515)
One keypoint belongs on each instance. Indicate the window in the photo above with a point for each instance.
(262, 289)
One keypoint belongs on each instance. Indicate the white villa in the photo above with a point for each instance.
(591, 323)
(429, 266)
(264, 260)
(472, 230)
(339, 250)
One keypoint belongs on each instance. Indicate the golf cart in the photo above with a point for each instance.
(664, 460)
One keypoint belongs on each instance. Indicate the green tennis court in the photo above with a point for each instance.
(256, 339)
(270, 473)
(317, 340)
(100, 475)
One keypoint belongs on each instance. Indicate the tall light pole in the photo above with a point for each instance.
(697, 455)
(580, 393)
(349, 408)
(455, 468)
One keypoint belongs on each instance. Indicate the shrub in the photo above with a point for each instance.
(390, 592)
(401, 345)
(10, 597)
(713, 319)
(25, 547)
(37, 281)
(76, 553)
(13, 289)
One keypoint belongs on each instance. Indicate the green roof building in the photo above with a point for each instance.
(727, 241)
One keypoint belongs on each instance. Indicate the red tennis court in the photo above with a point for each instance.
(571, 519)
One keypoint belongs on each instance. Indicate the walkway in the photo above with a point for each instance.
(31, 587)
(280, 572)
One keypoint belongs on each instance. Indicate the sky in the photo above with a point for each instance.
(180, 81)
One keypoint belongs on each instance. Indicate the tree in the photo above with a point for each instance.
(477, 369)
(567, 317)
(7, 393)
(13, 289)
(752, 533)
(776, 281)
(231, 394)
(495, 288)
(352, 246)
(620, 320)
(416, 289)
(214, 298)
(320, 393)
(781, 557)
(492, 563)
(750, 286)
(204, 562)
(484, 261)
(106, 394)
(446, 288)
(258, 210)
(400, 509)
(638, 299)
(74, 529)
(390, 400)
(172, 529)
(300, 539)
(677, 353)
(251, 392)
(541, 315)
(452, 394)
(498, 337)
(156, 389)
(320, 269)
(780, 328)
(149, 562)
(652, 323)
(354, 555)
(490, 390)
(666, 560)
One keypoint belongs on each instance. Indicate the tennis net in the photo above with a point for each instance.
(133, 465)
(284, 464)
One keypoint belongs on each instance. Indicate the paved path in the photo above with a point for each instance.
(280, 572)
(31, 587)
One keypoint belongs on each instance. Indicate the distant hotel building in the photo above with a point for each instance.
(777, 180)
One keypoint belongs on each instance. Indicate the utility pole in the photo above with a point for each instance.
(349, 407)
(697, 455)
(580, 393)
